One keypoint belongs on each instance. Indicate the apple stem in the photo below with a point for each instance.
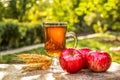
(72, 54)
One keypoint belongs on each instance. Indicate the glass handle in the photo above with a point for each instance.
(73, 35)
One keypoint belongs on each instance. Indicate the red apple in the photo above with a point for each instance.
(84, 51)
(99, 61)
(71, 60)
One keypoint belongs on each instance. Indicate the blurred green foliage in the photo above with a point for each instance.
(82, 15)
(15, 34)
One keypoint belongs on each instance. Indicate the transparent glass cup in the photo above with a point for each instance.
(55, 40)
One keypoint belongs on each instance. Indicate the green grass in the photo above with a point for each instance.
(12, 58)
(102, 42)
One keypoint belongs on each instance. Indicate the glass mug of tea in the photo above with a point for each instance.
(55, 40)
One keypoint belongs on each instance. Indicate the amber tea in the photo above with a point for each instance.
(54, 39)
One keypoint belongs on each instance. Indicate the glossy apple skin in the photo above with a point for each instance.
(99, 61)
(85, 51)
(71, 60)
